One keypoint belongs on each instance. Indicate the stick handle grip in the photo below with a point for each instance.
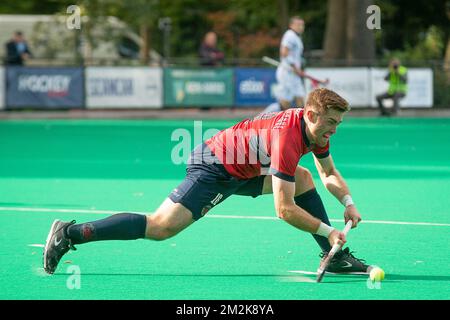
(347, 227)
(336, 246)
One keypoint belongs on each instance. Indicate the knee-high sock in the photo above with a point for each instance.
(311, 202)
(121, 226)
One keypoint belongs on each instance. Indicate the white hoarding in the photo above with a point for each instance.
(353, 84)
(420, 87)
(124, 87)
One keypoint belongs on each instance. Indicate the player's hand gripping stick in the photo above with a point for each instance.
(336, 247)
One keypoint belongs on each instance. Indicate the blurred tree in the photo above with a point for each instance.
(347, 36)
(405, 24)
(248, 31)
(447, 50)
(54, 40)
(33, 7)
(249, 28)
(430, 47)
(189, 23)
(360, 39)
(335, 38)
(283, 6)
(142, 14)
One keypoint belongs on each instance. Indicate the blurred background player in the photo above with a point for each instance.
(275, 107)
(398, 79)
(289, 74)
(209, 54)
(17, 50)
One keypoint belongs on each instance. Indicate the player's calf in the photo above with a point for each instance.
(307, 197)
(64, 235)
(121, 226)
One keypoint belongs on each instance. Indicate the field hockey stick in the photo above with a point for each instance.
(276, 63)
(336, 247)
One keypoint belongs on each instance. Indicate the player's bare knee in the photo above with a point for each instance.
(303, 180)
(157, 228)
(160, 233)
(303, 175)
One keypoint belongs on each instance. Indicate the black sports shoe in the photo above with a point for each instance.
(345, 262)
(57, 245)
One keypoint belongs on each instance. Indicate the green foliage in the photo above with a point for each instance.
(430, 47)
(252, 16)
(406, 24)
(33, 7)
(413, 30)
(189, 24)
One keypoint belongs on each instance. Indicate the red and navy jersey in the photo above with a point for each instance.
(270, 144)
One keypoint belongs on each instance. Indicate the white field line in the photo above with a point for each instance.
(315, 273)
(217, 216)
(304, 272)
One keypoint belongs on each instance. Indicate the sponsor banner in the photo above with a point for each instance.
(123, 87)
(254, 86)
(198, 87)
(2, 88)
(420, 87)
(44, 87)
(353, 84)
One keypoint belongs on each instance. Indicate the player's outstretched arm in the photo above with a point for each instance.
(336, 185)
(283, 193)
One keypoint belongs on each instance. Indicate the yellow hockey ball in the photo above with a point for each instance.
(376, 274)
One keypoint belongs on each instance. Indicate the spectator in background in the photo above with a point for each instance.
(17, 50)
(398, 79)
(209, 54)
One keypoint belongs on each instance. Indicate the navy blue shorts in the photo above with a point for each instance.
(207, 184)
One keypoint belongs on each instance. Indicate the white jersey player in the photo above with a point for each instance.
(290, 85)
